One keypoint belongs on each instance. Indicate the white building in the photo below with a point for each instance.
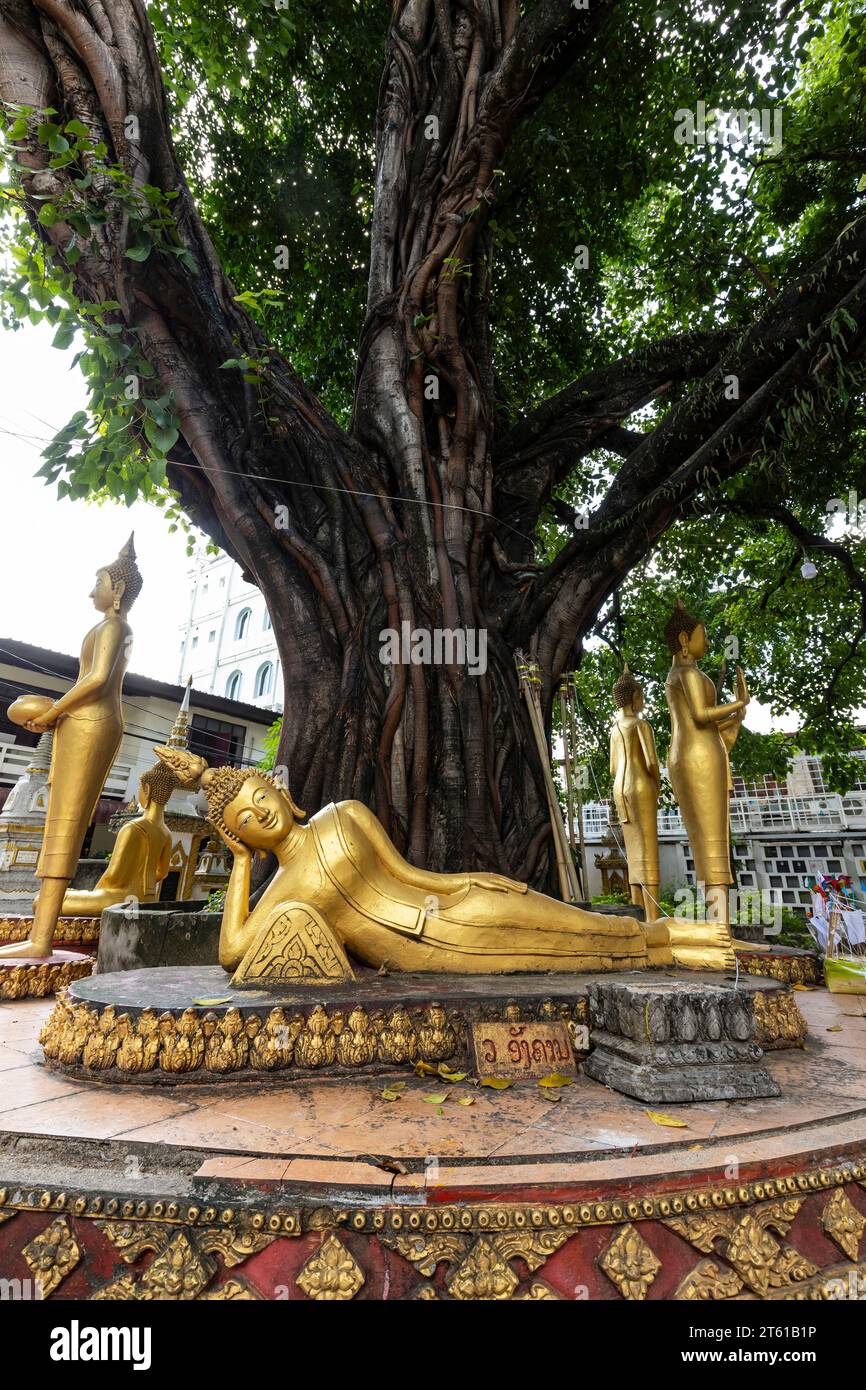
(227, 643)
(782, 834)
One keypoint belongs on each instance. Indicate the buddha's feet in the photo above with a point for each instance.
(25, 950)
(658, 944)
(701, 945)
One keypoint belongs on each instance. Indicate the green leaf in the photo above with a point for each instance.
(161, 437)
(64, 335)
(140, 249)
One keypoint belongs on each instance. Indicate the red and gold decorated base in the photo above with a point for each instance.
(322, 1188)
(28, 978)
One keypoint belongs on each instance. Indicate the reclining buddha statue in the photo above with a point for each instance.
(342, 889)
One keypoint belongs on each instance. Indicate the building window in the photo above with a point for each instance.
(266, 622)
(216, 740)
(233, 686)
(264, 680)
(222, 582)
(212, 634)
(195, 641)
(243, 622)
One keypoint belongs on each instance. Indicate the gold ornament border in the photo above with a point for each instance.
(70, 931)
(803, 969)
(34, 979)
(114, 1046)
(104, 1042)
(476, 1242)
(471, 1217)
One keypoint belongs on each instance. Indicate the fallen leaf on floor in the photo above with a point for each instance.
(551, 1095)
(808, 988)
(497, 1083)
(424, 1069)
(437, 1098)
(659, 1119)
(207, 1003)
(451, 1075)
(556, 1078)
(466, 1100)
(692, 1147)
(837, 1028)
(392, 1093)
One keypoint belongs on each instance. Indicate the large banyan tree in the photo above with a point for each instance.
(452, 313)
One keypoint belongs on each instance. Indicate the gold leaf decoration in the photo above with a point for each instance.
(52, 1255)
(630, 1263)
(332, 1273)
(843, 1223)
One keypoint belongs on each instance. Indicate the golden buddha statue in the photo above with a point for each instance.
(88, 726)
(142, 852)
(341, 886)
(634, 767)
(702, 735)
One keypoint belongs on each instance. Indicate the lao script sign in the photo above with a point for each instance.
(520, 1050)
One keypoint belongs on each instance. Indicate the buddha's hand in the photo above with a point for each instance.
(497, 883)
(742, 688)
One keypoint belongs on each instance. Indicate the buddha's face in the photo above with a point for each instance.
(696, 645)
(637, 702)
(260, 816)
(102, 592)
(698, 642)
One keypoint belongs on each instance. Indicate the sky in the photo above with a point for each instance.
(51, 547)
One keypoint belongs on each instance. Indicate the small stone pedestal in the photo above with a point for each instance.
(675, 1041)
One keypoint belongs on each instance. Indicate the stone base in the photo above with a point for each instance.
(675, 1042)
(26, 978)
(331, 1189)
(192, 1025)
(70, 931)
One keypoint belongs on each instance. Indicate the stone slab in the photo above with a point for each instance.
(671, 1042)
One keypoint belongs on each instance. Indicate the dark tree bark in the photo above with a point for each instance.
(420, 512)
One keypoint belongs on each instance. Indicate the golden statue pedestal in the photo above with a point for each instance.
(69, 931)
(31, 978)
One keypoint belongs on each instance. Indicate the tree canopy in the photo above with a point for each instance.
(670, 335)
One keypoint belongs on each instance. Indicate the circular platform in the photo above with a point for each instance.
(325, 1188)
(178, 1025)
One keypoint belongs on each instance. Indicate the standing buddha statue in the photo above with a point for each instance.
(88, 726)
(634, 767)
(702, 736)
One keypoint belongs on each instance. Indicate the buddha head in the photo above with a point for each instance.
(119, 584)
(249, 807)
(627, 693)
(156, 786)
(685, 634)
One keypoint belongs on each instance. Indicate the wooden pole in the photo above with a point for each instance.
(530, 680)
(572, 725)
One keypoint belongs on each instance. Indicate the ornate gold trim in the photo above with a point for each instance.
(34, 979)
(331, 1273)
(803, 969)
(70, 931)
(739, 1230)
(116, 1045)
(778, 1021)
(482, 1218)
